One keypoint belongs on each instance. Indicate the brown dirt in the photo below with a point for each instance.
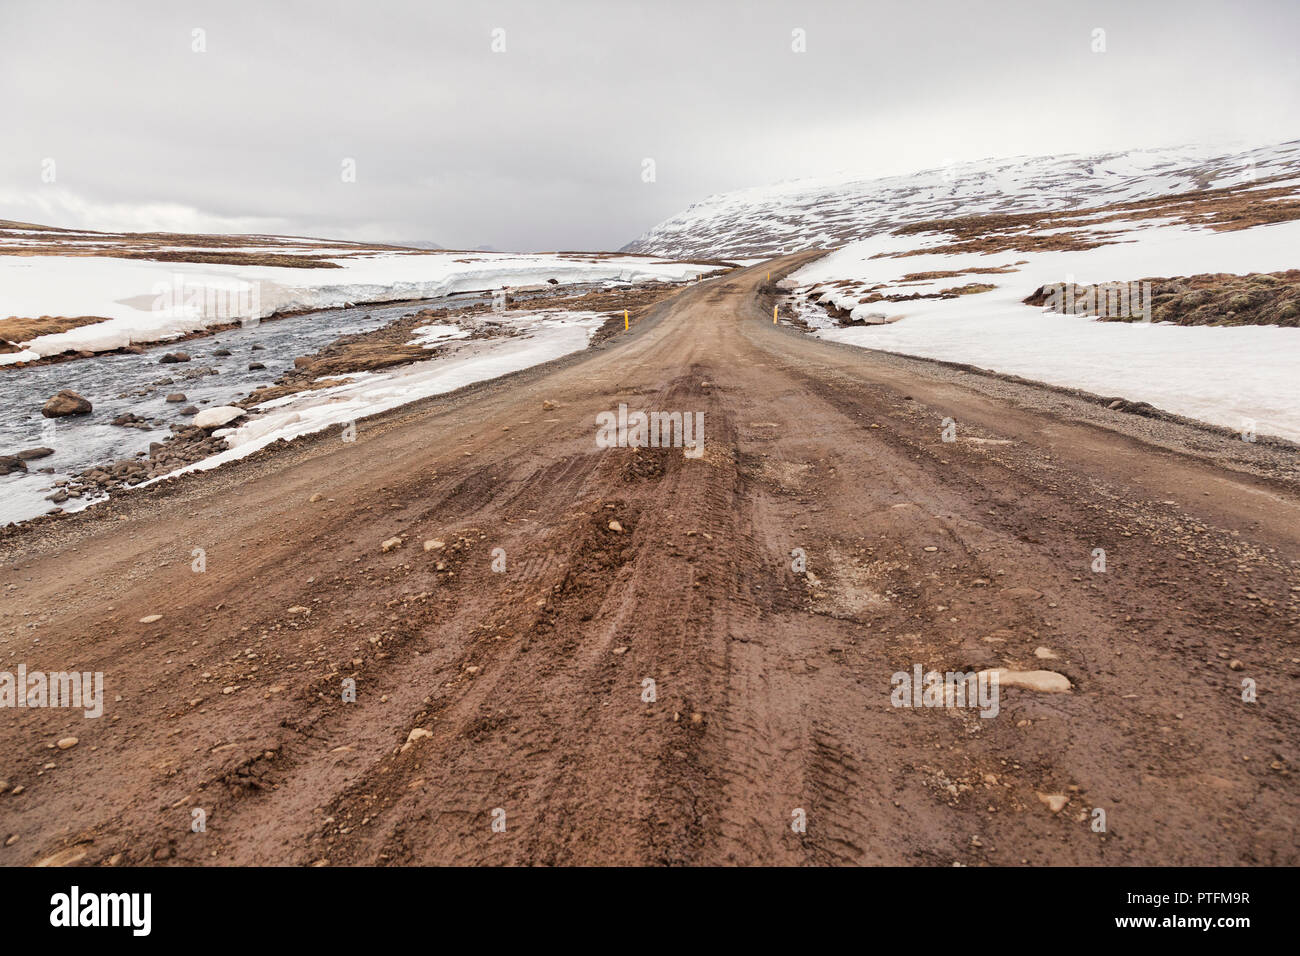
(773, 687)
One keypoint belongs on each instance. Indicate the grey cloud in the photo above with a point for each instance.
(540, 147)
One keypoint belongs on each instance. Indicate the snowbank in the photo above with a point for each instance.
(547, 335)
(1226, 376)
(154, 301)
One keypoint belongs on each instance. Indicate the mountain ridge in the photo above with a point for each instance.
(805, 213)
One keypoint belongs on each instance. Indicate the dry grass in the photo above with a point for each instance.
(1219, 299)
(948, 274)
(184, 247)
(236, 258)
(971, 288)
(1225, 209)
(15, 329)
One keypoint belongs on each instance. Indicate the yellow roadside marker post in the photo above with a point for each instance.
(774, 315)
(625, 320)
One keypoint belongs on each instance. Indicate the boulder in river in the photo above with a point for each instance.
(171, 358)
(131, 420)
(67, 402)
(27, 454)
(255, 366)
(11, 463)
(176, 398)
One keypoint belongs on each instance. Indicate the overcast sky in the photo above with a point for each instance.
(542, 146)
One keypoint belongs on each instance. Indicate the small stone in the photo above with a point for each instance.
(621, 649)
(930, 548)
(67, 743)
(1044, 654)
(434, 544)
(299, 609)
(1235, 665)
(615, 527)
(1046, 682)
(1054, 801)
(316, 497)
(150, 618)
(392, 544)
(73, 854)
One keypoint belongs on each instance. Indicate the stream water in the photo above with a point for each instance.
(116, 384)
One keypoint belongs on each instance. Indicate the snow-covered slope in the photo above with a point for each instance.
(821, 213)
(1241, 377)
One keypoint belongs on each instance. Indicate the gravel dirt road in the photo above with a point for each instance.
(525, 687)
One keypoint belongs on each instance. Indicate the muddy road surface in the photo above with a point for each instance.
(582, 655)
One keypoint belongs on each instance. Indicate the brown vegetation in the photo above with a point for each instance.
(1225, 209)
(1219, 299)
(953, 274)
(15, 329)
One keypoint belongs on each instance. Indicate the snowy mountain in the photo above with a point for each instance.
(806, 213)
(1198, 260)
